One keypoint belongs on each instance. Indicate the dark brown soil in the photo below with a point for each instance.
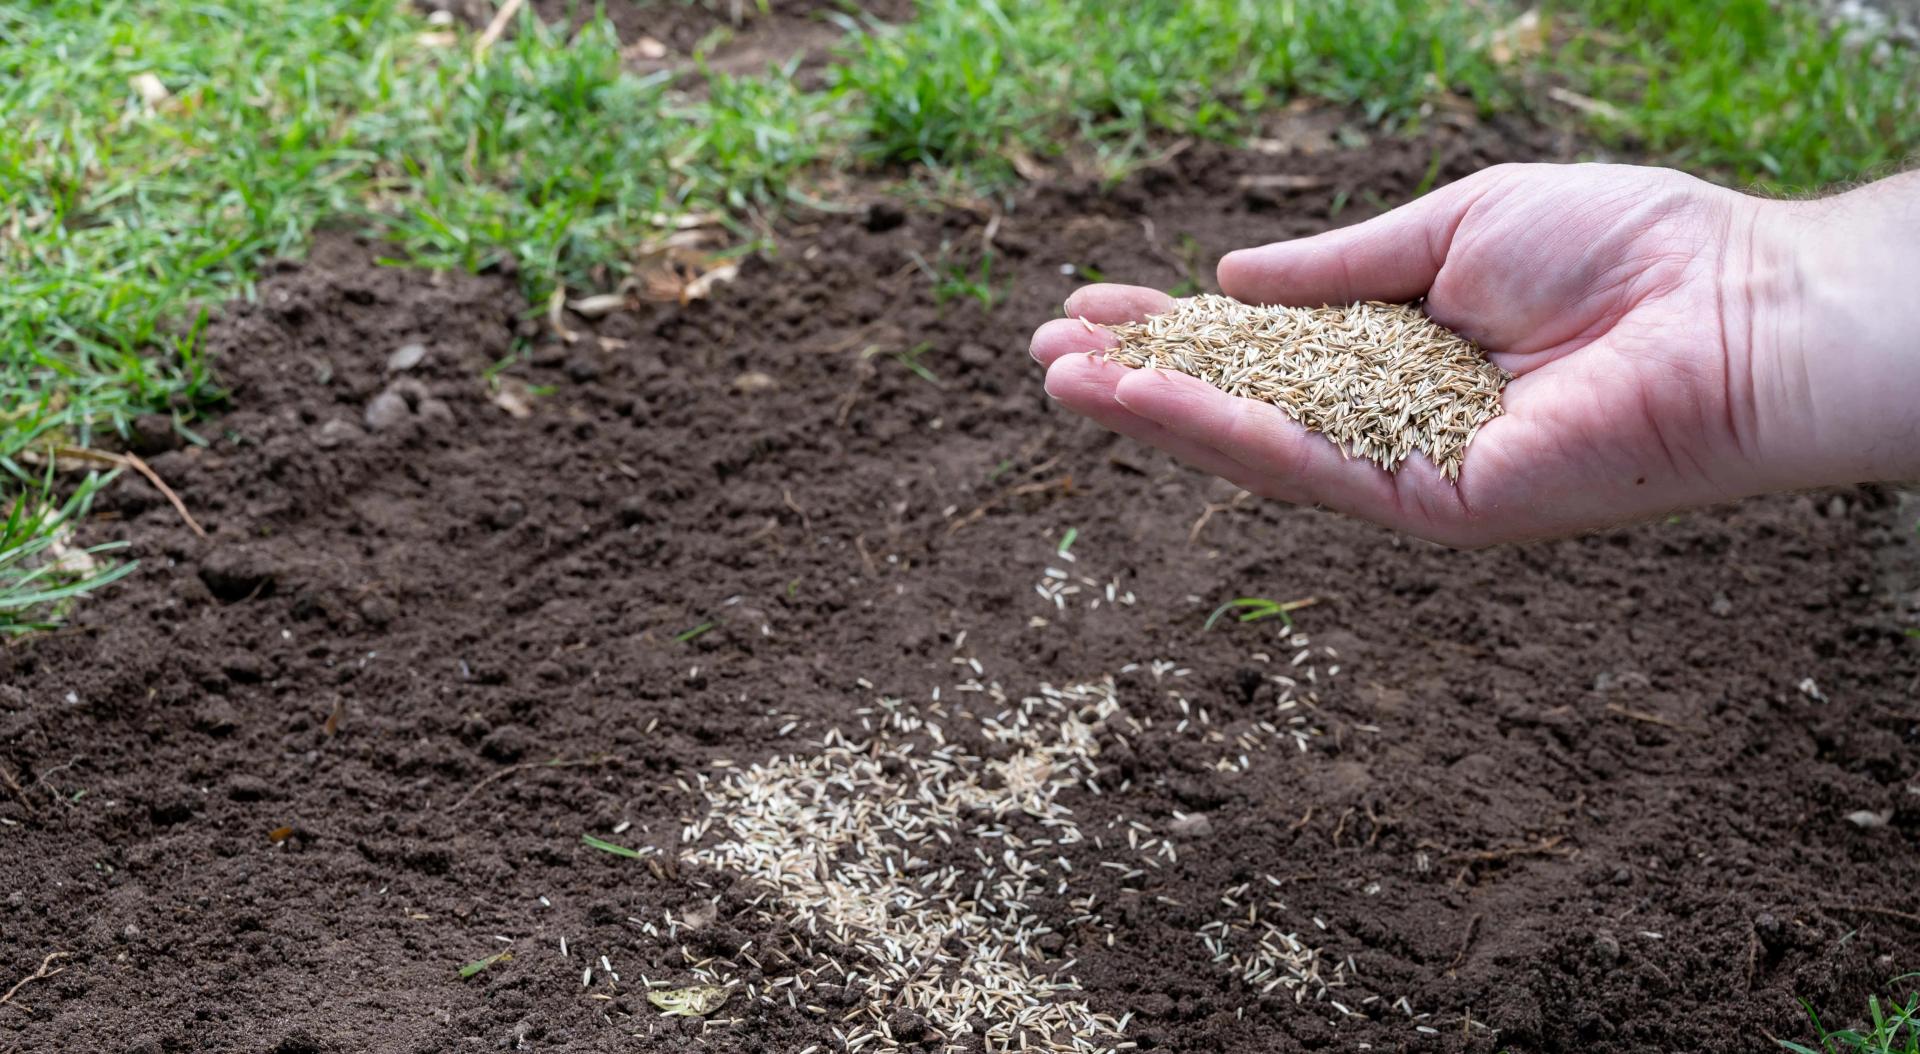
(1568, 796)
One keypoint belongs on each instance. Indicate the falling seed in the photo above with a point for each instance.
(1380, 380)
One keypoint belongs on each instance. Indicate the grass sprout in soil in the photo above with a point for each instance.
(1892, 1027)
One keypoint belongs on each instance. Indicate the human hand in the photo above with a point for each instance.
(1655, 326)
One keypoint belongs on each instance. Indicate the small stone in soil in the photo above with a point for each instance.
(387, 411)
(907, 1026)
(635, 510)
(582, 369)
(506, 743)
(336, 433)
(1190, 826)
(884, 216)
(235, 573)
(154, 434)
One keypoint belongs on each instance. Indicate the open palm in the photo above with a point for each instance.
(1616, 296)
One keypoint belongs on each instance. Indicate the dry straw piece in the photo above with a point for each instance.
(1380, 380)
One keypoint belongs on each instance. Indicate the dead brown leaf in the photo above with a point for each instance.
(1524, 37)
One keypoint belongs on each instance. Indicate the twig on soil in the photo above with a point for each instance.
(863, 370)
(1753, 956)
(554, 763)
(19, 792)
(1466, 943)
(52, 792)
(1903, 916)
(1064, 484)
(138, 464)
(1544, 847)
(1302, 821)
(1340, 827)
(1379, 824)
(986, 235)
(1180, 267)
(860, 543)
(496, 27)
(806, 522)
(41, 974)
(556, 314)
(1206, 515)
(1653, 719)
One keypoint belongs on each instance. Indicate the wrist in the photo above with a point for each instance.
(1832, 290)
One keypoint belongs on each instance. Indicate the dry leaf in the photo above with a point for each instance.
(644, 48)
(1523, 37)
(69, 559)
(698, 1001)
(151, 89)
(702, 287)
(684, 280)
(684, 221)
(598, 306)
(1283, 181)
(1586, 104)
(1029, 169)
(556, 316)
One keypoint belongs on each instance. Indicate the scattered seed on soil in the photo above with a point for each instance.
(1380, 380)
(698, 1001)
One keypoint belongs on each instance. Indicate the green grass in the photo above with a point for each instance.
(1254, 609)
(1752, 89)
(1066, 541)
(609, 847)
(475, 967)
(968, 87)
(1891, 1028)
(956, 280)
(39, 578)
(125, 221)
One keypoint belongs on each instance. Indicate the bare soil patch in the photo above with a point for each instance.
(277, 788)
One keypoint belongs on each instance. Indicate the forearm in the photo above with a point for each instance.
(1836, 369)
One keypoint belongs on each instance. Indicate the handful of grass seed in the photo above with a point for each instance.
(1380, 380)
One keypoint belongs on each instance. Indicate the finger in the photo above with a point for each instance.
(1109, 304)
(1301, 466)
(1085, 384)
(1393, 257)
(1068, 336)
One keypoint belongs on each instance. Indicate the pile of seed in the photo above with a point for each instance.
(1380, 380)
(849, 842)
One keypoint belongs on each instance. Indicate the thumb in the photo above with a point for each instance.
(1393, 257)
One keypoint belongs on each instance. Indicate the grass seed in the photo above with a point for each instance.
(1380, 380)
